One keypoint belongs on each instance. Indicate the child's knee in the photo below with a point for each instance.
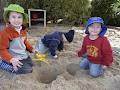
(84, 64)
(95, 74)
(95, 70)
(24, 70)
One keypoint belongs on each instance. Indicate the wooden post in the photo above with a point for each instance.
(40, 10)
(44, 18)
(29, 17)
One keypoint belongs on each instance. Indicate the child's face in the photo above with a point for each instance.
(94, 29)
(15, 19)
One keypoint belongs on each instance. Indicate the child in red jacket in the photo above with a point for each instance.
(13, 42)
(96, 48)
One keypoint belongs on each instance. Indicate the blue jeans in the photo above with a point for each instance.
(95, 70)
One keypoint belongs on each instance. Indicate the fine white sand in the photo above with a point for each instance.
(64, 73)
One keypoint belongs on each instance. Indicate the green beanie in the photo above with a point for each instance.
(14, 8)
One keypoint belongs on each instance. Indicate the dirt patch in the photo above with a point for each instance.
(72, 68)
(48, 73)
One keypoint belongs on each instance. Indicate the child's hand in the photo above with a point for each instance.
(34, 51)
(76, 53)
(16, 63)
(104, 67)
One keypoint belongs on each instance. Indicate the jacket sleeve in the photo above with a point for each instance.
(60, 46)
(4, 45)
(82, 51)
(28, 46)
(107, 53)
(53, 47)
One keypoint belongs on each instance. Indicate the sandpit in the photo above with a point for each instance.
(64, 73)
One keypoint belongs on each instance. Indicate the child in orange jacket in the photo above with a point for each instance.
(13, 42)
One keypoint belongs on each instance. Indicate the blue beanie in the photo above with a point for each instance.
(96, 20)
(69, 35)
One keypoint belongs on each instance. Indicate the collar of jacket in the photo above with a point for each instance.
(12, 29)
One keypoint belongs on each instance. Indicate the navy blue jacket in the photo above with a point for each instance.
(54, 41)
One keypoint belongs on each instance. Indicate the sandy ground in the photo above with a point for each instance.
(64, 73)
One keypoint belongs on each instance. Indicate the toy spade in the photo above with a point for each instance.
(41, 57)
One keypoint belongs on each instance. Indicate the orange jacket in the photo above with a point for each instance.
(8, 34)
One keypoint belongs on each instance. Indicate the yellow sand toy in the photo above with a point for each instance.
(41, 57)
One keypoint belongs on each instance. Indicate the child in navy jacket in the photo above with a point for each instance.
(54, 41)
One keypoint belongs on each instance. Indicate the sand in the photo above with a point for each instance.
(64, 73)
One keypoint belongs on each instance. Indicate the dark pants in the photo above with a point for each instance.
(26, 67)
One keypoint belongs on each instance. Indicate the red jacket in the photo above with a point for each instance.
(98, 51)
(8, 34)
(0, 33)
